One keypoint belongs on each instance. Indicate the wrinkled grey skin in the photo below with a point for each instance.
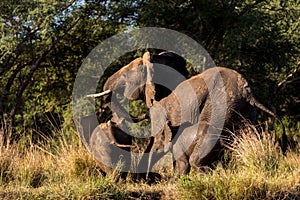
(189, 148)
(107, 142)
(135, 80)
(236, 94)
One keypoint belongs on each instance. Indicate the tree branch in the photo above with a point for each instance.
(32, 70)
(250, 7)
(286, 81)
(16, 48)
(27, 36)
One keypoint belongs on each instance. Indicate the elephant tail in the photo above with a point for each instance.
(283, 143)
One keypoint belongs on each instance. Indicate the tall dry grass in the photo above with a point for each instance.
(257, 170)
(62, 168)
(56, 169)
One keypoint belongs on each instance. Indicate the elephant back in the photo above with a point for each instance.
(172, 60)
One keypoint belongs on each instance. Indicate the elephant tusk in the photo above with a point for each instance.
(99, 94)
(149, 164)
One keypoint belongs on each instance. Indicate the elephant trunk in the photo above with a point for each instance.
(116, 107)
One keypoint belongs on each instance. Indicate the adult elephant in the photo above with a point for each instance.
(219, 97)
(144, 78)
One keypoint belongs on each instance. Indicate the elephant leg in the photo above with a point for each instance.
(182, 149)
(206, 149)
(151, 156)
(181, 165)
(143, 163)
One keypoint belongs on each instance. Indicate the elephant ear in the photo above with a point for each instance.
(149, 88)
(167, 137)
(158, 119)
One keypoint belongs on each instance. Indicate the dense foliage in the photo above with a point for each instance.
(43, 43)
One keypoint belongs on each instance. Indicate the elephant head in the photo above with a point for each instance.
(143, 79)
(138, 82)
(140, 73)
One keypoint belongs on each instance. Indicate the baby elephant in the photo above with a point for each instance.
(111, 146)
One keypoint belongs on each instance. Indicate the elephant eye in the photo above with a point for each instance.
(123, 76)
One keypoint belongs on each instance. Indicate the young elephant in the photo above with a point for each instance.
(107, 142)
(111, 147)
(218, 96)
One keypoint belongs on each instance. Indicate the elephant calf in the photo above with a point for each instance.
(111, 146)
(107, 142)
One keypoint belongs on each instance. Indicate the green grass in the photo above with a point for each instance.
(63, 169)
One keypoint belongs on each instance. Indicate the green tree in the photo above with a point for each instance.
(43, 43)
(259, 38)
(42, 46)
